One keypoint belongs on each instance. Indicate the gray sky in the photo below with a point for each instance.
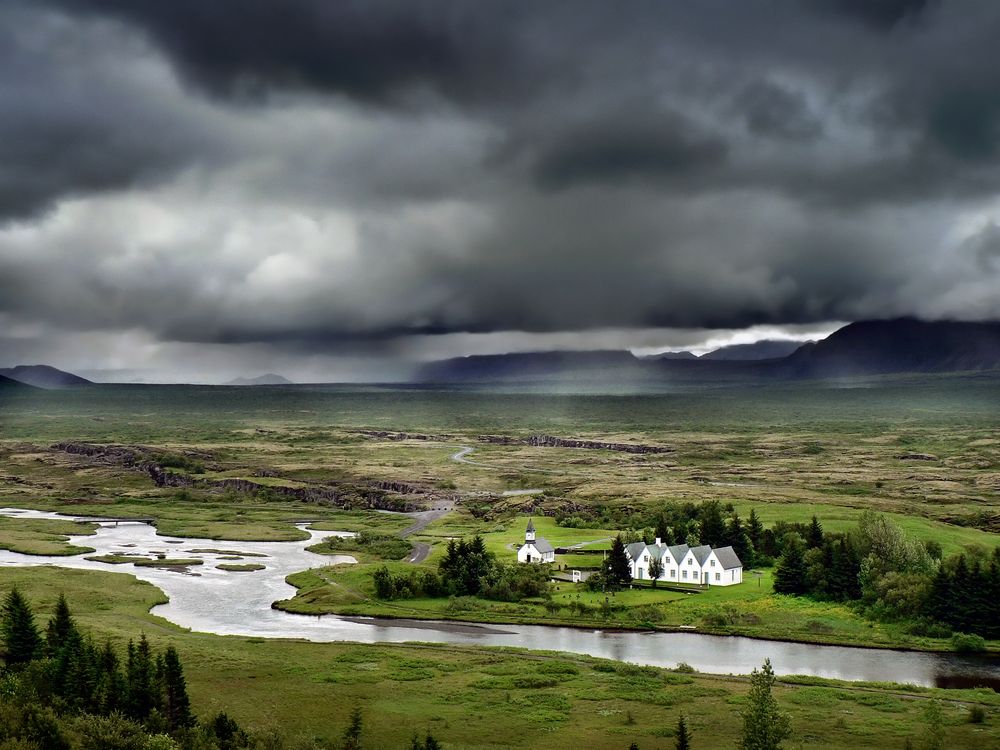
(194, 191)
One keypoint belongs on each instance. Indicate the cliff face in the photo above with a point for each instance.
(374, 494)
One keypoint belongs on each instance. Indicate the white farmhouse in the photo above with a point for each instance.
(682, 564)
(535, 550)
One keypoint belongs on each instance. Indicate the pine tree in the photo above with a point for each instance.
(352, 735)
(790, 573)
(617, 570)
(176, 705)
(663, 530)
(764, 726)
(755, 530)
(20, 635)
(60, 627)
(814, 535)
(739, 540)
(683, 735)
(140, 677)
(711, 526)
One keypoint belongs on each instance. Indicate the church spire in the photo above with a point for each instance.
(529, 533)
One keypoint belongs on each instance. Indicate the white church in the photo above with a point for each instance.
(682, 564)
(535, 550)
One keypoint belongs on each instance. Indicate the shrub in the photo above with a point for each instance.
(968, 643)
(977, 714)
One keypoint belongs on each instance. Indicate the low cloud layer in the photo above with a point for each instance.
(317, 182)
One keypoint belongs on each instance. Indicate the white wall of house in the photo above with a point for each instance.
(529, 553)
(687, 569)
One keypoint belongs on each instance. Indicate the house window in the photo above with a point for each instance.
(673, 573)
(713, 563)
(718, 577)
(684, 574)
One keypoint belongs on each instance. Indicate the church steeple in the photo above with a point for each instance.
(529, 533)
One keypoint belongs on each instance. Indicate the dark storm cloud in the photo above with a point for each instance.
(880, 14)
(350, 175)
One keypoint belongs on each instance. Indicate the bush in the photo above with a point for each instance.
(968, 643)
(977, 714)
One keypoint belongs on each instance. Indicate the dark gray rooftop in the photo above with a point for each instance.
(728, 558)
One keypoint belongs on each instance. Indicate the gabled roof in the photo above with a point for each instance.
(677, 551)
(701, 553)
(542, 545)
(728, 558)
(635, 550)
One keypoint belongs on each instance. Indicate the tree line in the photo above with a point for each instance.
(893, 577)
(467, 569)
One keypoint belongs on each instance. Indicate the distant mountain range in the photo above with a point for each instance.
(42, 376)
(764, 349)
(268, 379)
(865, 348)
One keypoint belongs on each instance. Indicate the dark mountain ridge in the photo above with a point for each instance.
(43, 376)
(763, 349)
(904, 345)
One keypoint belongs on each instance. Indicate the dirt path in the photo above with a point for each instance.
(421, 520)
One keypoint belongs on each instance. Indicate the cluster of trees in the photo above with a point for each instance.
(964, 594)
(467, 569)
(709, 523)
(69, 670)
(60, 690)
(823, 565)
(893, 577)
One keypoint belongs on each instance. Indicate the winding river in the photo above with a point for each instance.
(208, 599)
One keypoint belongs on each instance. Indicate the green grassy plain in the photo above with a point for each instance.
(487, 699)
(926, 450)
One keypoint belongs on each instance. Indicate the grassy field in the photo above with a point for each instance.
(486, 699)
(925, 450)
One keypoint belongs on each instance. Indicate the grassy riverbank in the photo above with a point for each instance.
(751, 610)
(486, 699)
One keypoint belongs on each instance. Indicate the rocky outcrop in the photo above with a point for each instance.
(549, 441)
(392, 435)
(376, 495)
(118, 455)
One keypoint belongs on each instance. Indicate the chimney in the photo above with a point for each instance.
(657, 541)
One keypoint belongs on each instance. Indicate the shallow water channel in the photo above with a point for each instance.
(211, 600)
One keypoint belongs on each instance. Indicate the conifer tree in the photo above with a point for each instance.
(764, 726)
(790, 573)
(814, 534)
(60, 627)
(20, 634)
(683, 735)
(352, 735)
(755, 530)
(617, 571)
(738, 538)
(141, 677)
(711, 526)
(176, 704)
(663, 531)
